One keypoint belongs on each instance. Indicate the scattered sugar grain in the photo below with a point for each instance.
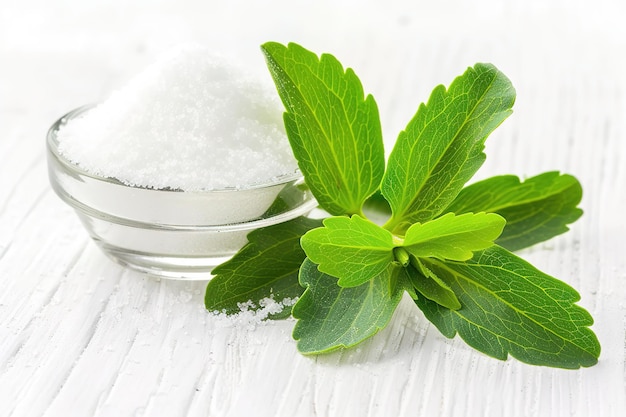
(191, 121)
(250, 315)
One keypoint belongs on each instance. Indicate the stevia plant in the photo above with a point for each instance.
(445, 244)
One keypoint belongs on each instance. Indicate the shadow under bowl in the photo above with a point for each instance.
(171, 233)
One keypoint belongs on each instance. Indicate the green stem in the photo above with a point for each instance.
(401, 256)
(390, 224)
(395, 227)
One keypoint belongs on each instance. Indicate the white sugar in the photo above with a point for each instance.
(191, 121)
(250, 315)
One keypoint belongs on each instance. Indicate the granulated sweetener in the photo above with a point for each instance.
(191, 122)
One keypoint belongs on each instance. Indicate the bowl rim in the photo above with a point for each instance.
(249, 225)
(52, 143)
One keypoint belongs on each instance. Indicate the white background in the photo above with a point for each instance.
(82, 336)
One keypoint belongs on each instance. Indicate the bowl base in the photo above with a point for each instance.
(177, 268)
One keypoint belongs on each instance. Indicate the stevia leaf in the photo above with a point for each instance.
(431, 286)
(354, 250)
(442, 146)
(286, 199)
(331, 317)
(510, 307)
(333, 129)
(535, 210)
(266, 267)
(453, 237)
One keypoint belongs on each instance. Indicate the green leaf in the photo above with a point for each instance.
(288, 198)
(333, 129)
(331, 317)
(431, 286)
(535, 210)
(442, 146)
(453, 237)
(267, 266)
(510, 307)
(352, 249)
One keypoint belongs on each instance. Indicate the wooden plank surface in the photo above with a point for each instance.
(82, 336)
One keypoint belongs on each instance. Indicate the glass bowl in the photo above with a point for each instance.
(171, 233)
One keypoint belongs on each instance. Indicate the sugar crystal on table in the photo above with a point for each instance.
(191, 121)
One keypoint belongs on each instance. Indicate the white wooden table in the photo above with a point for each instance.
(82, 336)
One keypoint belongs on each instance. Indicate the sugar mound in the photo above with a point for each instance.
(191, 121)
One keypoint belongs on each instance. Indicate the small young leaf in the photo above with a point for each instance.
(442, 146)
(453, 237)
(352, 249)
(331, 317)
(267, 266)
(535, 210)
(334, 131)
(510, 307)
(431, 286)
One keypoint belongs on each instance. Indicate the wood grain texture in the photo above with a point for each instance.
(82, 336)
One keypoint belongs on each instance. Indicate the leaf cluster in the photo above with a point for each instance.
(446, 244)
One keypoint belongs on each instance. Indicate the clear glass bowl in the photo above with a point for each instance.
(170, 233)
